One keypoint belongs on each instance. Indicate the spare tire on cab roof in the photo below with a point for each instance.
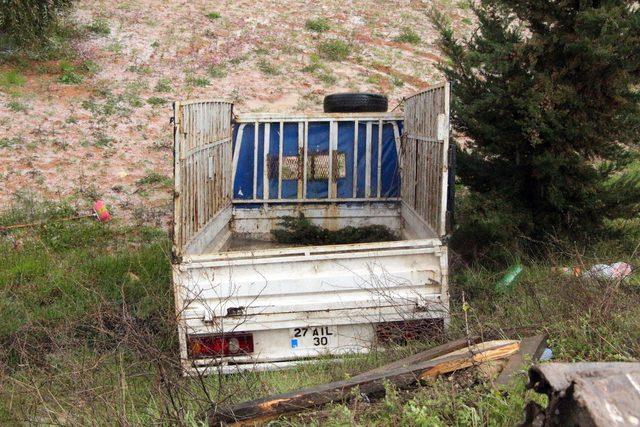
(355, 103)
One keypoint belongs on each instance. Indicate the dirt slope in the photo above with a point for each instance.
(109, 135)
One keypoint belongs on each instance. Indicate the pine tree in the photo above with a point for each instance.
(29, 23)
(547, 93)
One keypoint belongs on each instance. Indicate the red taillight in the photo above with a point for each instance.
(235, 344)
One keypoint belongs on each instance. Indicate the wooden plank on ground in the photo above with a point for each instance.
(531, 349)
(429, 354)
(370, 383)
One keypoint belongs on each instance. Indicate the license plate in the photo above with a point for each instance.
(313, 337)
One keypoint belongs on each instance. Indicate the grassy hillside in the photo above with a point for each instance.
(90, 115)
(88, 333)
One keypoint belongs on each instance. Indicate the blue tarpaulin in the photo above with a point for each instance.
(318, 145)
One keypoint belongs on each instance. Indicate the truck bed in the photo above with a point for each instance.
(246, 302)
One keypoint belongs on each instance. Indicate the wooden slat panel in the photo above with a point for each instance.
(423, 155)
(202, 141)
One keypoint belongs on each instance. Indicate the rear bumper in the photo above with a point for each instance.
(273, 349)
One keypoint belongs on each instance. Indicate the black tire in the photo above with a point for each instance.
(355, 103)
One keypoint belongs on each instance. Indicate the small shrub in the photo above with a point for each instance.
(319, 25)
(89, 67)
(155, 101)
(327, 78)
(10, 142)
(216, 71)
(163, 85)
(113, 104)
(17, 106)
(213, 15)
(267, 68)
(115, 47)
(69, 75)
(197, 81)
(155, 178)
(102, 140)
(12, 78)
(408, 36)
(132, 93)
(334, 50)
(140, 69)
(99, 27)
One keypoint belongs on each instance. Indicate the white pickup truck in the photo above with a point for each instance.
(244, 301)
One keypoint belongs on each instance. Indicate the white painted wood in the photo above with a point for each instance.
(367, 163)
(396, 137)
(236, 151)
(305, 150)
(424, 157)
(202, 143)
(333, 139)
(444, 173)
(300, 153)
(280, 148)
(265, 158)
(258, 223)
(379, 176)
(334, 200)
(316, 117)
(355, 158)
(213, 228)
(256, 128)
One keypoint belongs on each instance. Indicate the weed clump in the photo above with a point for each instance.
(163, 85)
(319, 25)
(69, 75)
(12, 78)
(99, 27)
(408, 36)
(267, 68)
(17, 106)
(156, 100)
(197, 81)
(303, 232)
(334, 50)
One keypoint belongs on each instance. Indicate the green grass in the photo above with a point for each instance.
(153, 178)
(319, 70)
(156, 100)
(100, 139)
(69, 74)
(11, 78)
(198, 81)
(216, 71)
(17, 106)
(213, 15)
(319, 25)
(334, 50)
(408, 36)
(88, 331)
(163, 85)
(10, 142)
